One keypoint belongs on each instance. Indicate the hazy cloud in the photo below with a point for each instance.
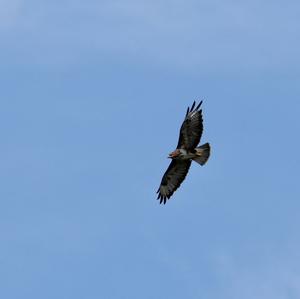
(207, 35)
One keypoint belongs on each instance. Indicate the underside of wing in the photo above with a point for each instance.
(172, 179)
(191, 128)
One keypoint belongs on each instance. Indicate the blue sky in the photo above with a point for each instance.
(92, 97)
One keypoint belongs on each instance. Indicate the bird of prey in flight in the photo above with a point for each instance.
(186, 151)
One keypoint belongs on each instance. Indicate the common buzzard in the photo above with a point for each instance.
(186, 152)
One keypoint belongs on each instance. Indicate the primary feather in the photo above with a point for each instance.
(186, 151)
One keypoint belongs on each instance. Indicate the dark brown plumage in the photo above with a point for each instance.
(191, 128)
(186, 151)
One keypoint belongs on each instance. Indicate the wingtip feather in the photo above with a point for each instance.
(199, 105)
(194, 103)
(187, 111)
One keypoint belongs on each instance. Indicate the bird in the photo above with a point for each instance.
(187, 150)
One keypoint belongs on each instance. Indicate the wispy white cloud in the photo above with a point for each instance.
(201, 35)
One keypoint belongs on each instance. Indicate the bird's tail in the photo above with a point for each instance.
(202, 153)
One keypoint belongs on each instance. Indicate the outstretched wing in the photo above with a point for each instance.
(172, 179)
(191, 128)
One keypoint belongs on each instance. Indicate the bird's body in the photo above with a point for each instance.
(183, 154)
(186, 152)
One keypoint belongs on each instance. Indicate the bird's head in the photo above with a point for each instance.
(174, 154)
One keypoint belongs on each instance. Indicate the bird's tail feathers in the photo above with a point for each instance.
(202, 153)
